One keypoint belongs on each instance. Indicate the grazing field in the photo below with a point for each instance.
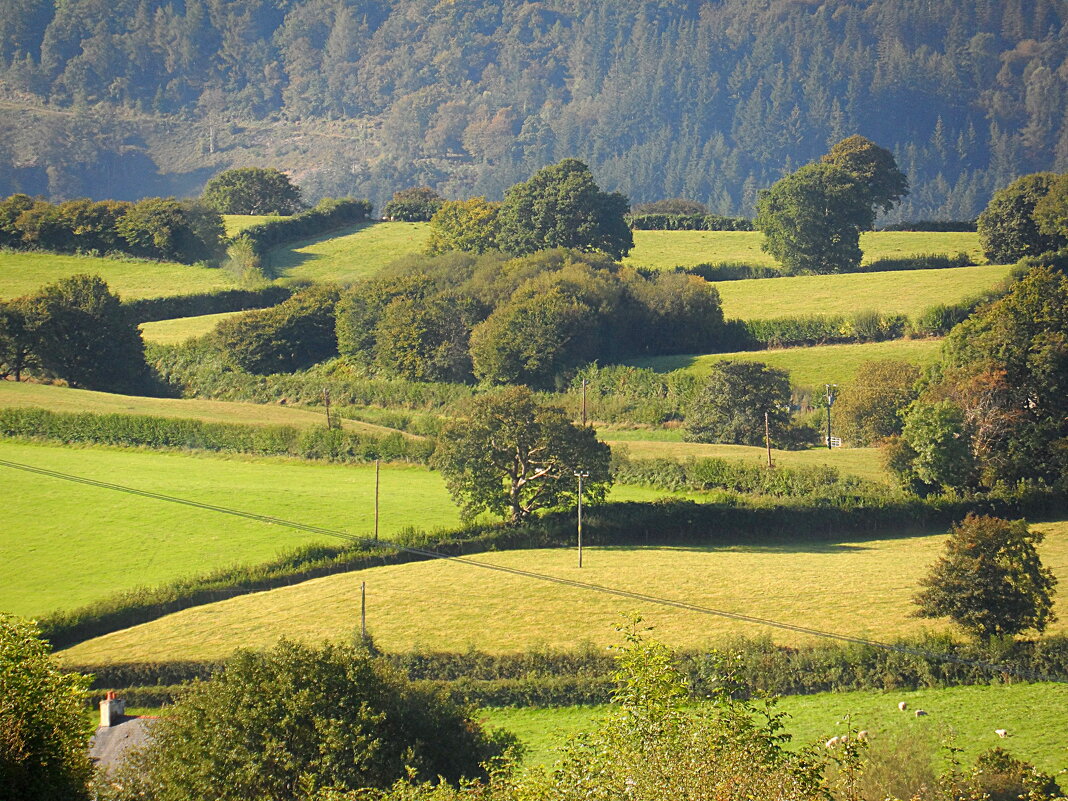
(904, 292)
(65, 399)
(66, 544)
(451, 606)
(182, 329)
(236, 223)
(1036, 715)
(668, 249)
(353, 253)
(809, 367)
(24, 273)
(659, 444)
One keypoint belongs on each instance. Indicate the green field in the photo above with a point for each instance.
(182, 329)
(65, 399)
(667, 249)
(348, 255)
(24, 273)
(1036, 715)
(850, 587)
(66, 544)
(809, 367)
(643, 444)
(904, 292)
(236, 223)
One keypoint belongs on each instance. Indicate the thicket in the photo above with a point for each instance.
(741, 271)
(328, 215)
(687, 222)
(667, 522)
(417, 204)
(148, 310)
(334, 444)
(154, 228)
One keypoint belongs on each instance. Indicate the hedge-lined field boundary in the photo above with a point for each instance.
(328, 216)
(151, 310)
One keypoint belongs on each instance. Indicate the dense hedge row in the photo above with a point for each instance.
(816, 329)
(667, 522)
(563, 678)
(168, 432)
(149, 310)
(938, 226)
(742, 271)
(687, 222)
(329, 215)
(918, 261)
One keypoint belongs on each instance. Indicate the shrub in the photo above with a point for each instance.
(417, 204)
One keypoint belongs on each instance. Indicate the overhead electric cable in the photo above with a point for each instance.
(583, 585)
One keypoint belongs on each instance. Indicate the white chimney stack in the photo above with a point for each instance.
(112, 709)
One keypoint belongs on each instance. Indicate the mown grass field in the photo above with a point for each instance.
(65, 399)
(667, 249)
(24, 273)
(1036, 715)
(349, 254)
(182, 329)
(851, 587)
(236, 223)
(809, 367)
(66, 544)
(668, 444)
(904, 292)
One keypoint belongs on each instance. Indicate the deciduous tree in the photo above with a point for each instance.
(252, 190)
(464, 225)
(730, 407)
(509, 455)
(868, 409)
(1008, 230)
(990, 581)
(873, 167)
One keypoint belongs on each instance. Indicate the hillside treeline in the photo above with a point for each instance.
(706, 100)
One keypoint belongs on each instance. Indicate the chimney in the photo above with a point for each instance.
(112, 709)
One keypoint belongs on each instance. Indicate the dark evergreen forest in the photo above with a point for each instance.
(707, 100)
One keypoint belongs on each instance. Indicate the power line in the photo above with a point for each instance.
(514, 571)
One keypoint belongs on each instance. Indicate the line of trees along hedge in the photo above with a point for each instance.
(154, 228)
(148, 310)
(544, 678)
(687, 222)
(336, 445)
(328, 215)
(668, 522)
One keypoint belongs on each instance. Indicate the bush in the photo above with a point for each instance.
(417, 204)
(920, 261)
(731, 271)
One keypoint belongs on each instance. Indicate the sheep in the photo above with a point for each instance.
(1001, 733)
(862, 734)
(831, 743)
(903, 706)
(920, 713)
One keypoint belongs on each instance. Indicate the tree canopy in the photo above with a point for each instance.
(990, 581)
(873, 167)
(465, 225)
(1008, 228)
(252, 190)
(510, 455)
(730, 407)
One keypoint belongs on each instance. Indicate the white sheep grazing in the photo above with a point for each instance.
(920, 713)
(831, 743)
(862, 734)
(903, 706)
(1001, 733)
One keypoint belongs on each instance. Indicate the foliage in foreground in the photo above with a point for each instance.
(991, 581)
(44, 735)
(278, 725)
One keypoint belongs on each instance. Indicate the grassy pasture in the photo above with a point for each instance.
(903, 292)
(236, 223)
(1035, 714)
(350, 254)
(667, 249)
(660, 444)
(451, 606)
(65, 399)
(181, 329)
(66, 544)
(808, 367)
(24, 273)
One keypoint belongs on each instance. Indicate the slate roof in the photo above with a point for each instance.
(109, 745)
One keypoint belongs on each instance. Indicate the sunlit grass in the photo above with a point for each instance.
(182, 329)
(350, 254)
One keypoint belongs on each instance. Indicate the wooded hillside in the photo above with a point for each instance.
(708, 100)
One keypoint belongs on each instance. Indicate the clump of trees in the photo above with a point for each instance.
(154, 228)
(868, 410)
(812, 218)
(44, 744)
(252, 190)
(508, 454)
(416, 204)
(560, 206)
(1029, 217)
(996, 410)
(75, 330)
(990, 581)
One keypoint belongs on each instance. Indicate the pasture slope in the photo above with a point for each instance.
(860, 588)
(68, 544)
(182, 329)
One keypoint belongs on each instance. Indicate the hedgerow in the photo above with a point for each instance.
(149, 310)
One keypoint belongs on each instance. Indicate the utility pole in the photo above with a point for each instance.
(326, 402)
(580, 474)
(376, 499)
(363, 610)
(832, 393)
(583, 403)
(767, 437)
